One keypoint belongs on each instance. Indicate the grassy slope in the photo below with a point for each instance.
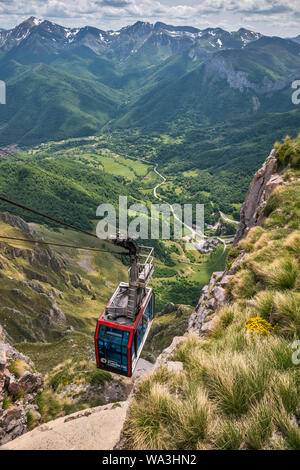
(60, 105)
(238, 390)
(60, 184)
(77, 304)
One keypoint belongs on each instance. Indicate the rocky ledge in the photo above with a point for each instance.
(19, 386)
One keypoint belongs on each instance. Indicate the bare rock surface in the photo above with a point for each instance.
(213, 296)
(16, 221)
(92, 429)
(18, 391)
(263, 184)
(143, 367)
(167, 353)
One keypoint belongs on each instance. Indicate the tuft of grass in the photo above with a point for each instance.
(236, 383)
(281, 274)
(244, 285)
(7, 403)
(99, 377)
(50, 405)
(276, 351)
(263, 303)
(287, 312)
(228, 435)
(226, 315)
(292, 242)
(18, 367)
(150, 421)
(288, 153)
(32, 420)
(286, 388)
(193, 420)
(288, 427)
(259, 426)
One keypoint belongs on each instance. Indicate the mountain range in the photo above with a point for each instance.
(65, 82)
(44, 37)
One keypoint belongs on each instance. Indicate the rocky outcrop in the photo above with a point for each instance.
(18, 390)
(213, 296)
(15, 221)
(169, 308)
(240, 80)
(36, 258)
(55, 317)
(164, 358)
(263, 184)
(78, 282)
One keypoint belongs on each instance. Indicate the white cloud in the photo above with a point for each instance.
(279, 16)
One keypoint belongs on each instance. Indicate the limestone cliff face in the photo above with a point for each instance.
(263, 184)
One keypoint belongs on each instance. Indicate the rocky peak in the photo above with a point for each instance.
(297, 39)
(32, 22)
(42, 35)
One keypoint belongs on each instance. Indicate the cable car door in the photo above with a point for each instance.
(113, 348)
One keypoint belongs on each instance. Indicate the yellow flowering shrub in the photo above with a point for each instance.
(259, 326)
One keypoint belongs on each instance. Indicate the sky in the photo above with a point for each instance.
(270, 17)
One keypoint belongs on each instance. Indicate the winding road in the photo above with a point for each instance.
(194, 233)
(226, 219)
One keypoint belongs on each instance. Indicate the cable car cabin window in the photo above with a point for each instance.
(113, 347)
(145, 324)
(150, 309)
(139, 335)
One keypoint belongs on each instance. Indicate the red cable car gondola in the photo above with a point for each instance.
(125, 323)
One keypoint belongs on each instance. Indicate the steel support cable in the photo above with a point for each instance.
(53, 219)
(41, 242)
